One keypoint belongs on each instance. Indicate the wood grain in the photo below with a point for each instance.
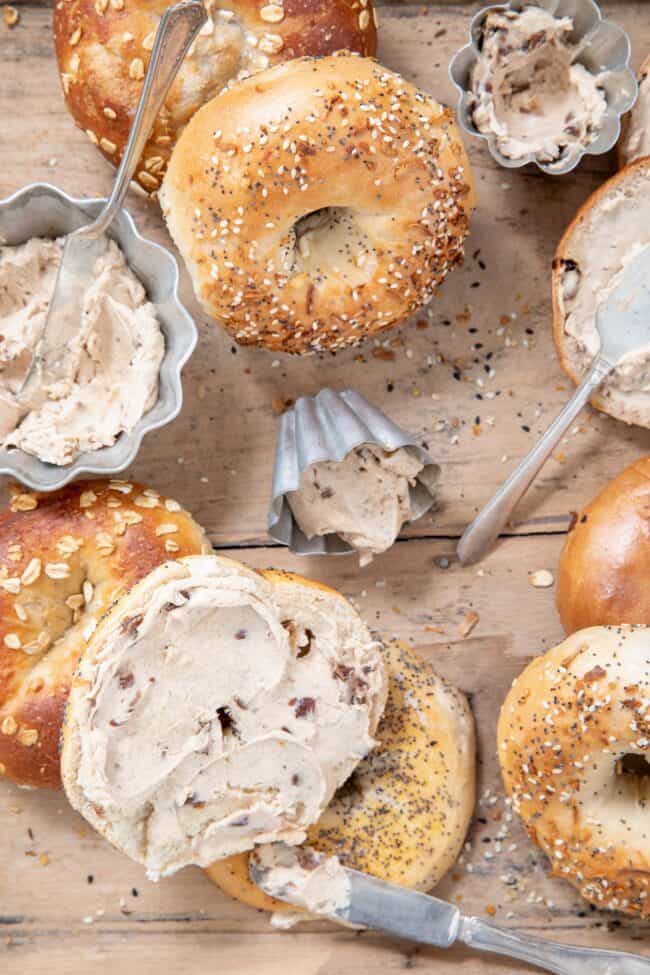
(217, 458)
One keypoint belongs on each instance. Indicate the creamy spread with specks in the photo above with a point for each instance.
(118, 352)
(528, 91)
(364, 498)
(222, 711)
(310, 880)
(635, 141)
(614, 232)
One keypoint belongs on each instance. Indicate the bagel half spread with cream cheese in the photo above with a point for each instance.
(318, 203)
(403, 814)
(216, 709)
(610, 230)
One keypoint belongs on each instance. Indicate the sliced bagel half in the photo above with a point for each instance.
(610, 230)
(404, 812)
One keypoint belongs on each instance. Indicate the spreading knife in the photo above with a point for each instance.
(408, 914)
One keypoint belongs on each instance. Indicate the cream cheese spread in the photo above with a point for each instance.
(613, 232)
(310, 880)
(118, 352)
(635, 141)
(529, 93)
(364, 498)
(222, 710)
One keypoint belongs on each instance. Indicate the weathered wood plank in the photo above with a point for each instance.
(218, 456)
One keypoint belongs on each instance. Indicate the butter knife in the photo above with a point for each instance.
(404, 913)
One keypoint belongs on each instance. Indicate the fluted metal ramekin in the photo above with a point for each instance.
(41, 210)
(603, 48)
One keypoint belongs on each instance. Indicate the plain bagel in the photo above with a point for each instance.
(103, 49)
(574, 739)
(65, 557)
(318, 203)
(604, 567)
(404, 812)
(609, 229)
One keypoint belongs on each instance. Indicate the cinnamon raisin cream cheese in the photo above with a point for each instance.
(529, 93)
(302, 876)
(216, 709)
(635, 140)
(364, 498)
(118, 350)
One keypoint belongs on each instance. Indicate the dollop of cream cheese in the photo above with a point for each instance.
(364, 498)
(303, 877)
(529, 92)
(118, 353)
(221, 710)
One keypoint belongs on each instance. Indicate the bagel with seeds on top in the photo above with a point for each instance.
(608, 232)
(403, 814)
(318, 203)
(604, 566)
(574, 745)
(103, 50)
(65, 557)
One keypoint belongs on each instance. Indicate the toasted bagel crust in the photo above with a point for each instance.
(66, 557)
(604, 566)
(103, 50)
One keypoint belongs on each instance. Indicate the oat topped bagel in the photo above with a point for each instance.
(574, 744)
(103, 48)
(65, 557)
(318, 203)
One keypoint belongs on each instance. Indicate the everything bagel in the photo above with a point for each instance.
(574, 739)
(318, 203)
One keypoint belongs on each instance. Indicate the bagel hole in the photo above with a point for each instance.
(633, 766)
(328, 240)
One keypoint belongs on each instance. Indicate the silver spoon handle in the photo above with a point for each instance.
(176, 31)
(479, 537)
(548, 955)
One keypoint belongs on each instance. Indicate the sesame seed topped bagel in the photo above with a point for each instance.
(403, 814)
(65, 557)
(318, 203)
(574, 740)
(103, 49)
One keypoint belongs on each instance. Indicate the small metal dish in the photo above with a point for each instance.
(604, 49)
(41, 210)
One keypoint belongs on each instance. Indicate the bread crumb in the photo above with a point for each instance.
(10, 15)
(541, 579)
(468, 624)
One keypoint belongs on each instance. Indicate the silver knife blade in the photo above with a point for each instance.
(323, 886)
(399, 911)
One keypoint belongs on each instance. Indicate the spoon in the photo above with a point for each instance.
(623, 324)
(53, 357)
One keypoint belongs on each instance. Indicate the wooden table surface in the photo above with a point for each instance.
(478, 379)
